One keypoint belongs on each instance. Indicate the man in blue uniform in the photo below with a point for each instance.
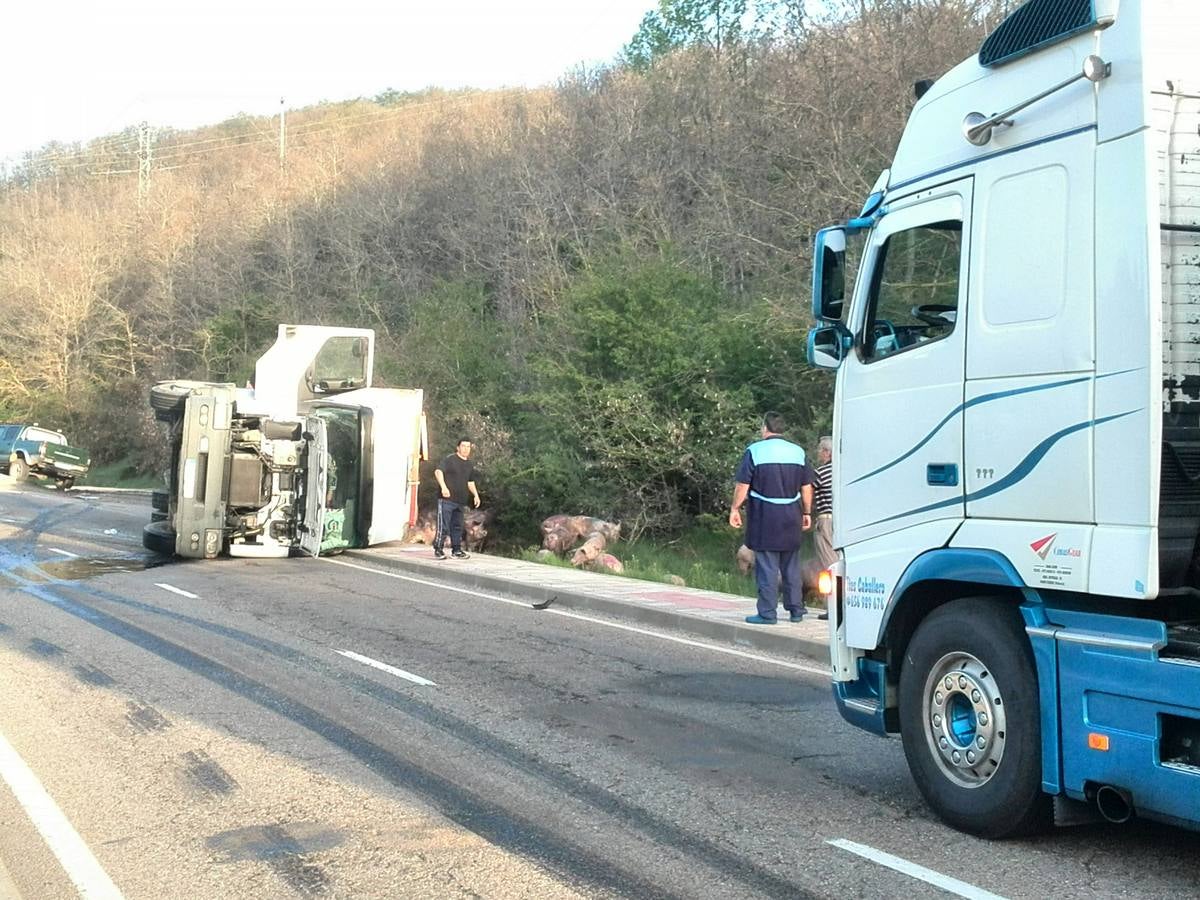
(778, 484)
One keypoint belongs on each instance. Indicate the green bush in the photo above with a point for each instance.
(643, 389)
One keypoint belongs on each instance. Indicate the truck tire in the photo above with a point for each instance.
(159, 500)
(970, 720)
(159, 537)
(169, 397)
(65, 484)
(18, 470)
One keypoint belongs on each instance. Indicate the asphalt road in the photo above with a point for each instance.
(222, 729)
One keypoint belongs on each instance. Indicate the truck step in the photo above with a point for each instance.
(1183, 643)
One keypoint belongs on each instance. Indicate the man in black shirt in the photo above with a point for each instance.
(456, 478)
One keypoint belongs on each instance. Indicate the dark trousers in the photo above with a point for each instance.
(769, 567)
(449, 520)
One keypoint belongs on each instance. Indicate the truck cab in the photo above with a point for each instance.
(311, 458)
(1017, 425)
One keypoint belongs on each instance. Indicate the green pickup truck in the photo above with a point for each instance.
(27, 450)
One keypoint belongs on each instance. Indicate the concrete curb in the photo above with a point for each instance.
(774, 639)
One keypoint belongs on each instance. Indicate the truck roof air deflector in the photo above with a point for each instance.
(1038, 24)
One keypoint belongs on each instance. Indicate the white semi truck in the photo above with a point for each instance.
(311, 458)
(1017, 425)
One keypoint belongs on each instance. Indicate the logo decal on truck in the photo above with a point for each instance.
(1042, 546)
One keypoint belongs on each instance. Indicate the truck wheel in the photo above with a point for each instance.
(18, 470)
(159, 500)
(159, 537)
(65, 484)
(970, 721)
(170, 396)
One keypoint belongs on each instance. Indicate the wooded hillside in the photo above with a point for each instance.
(604, 282)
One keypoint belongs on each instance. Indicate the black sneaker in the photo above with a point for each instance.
(461, 554)
(438, 554)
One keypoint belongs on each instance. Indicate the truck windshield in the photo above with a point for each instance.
(341, 365)
(343, 431)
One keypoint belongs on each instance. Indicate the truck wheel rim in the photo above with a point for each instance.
(964, 718)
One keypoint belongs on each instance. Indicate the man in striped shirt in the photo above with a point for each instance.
(823, 507)
(774, 477)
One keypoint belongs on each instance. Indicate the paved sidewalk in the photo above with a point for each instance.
(707, 614)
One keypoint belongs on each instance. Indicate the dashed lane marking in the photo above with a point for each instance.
(384, 667)
(179, 591)
(65, 553)
(911, 869)
(811, 670)
(60, 836)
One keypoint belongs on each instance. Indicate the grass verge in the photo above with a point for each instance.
(703, 556)
(119, 474)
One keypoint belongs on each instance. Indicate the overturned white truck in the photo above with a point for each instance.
(312, 458)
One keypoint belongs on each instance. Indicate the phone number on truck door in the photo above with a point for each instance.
(865, 593)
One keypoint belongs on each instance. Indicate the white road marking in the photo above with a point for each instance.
(63, 552)
(179, 591)
(812, 670)
(929, 876)
(384, 667)
(64, 841)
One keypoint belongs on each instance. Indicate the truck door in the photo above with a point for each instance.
(316, 480)
(901, 417)
(397, 446)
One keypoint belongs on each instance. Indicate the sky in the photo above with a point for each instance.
(74, 70)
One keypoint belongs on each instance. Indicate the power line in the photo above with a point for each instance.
(150, 157)
(114, 149)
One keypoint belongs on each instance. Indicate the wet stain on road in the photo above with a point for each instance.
(84, 568)
(285, 850)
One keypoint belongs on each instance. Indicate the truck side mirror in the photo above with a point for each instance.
(828, 345)
(829, 274)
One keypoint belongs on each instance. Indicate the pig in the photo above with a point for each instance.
(560, 533)
(809, 568)
(591, 549)
(476, 528)
(606, 562)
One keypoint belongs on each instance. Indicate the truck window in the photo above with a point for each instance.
(341, 365)
(41, 434)
(914, 290)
